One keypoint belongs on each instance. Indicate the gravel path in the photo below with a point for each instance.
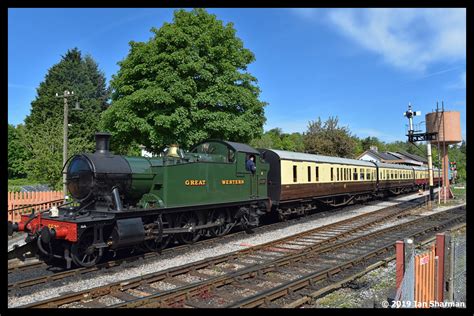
(202, 253)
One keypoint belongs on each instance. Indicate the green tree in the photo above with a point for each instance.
(369, 141)
(329, 139)
(46, 147)
(276, 139)
(81, 75)
(358, 149)
(44, 126)
(189, 82)
(293, 142)
(17, 154)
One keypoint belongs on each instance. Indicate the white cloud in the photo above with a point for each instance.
(410, 39)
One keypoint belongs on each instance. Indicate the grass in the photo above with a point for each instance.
(459, 193)
(459, 197)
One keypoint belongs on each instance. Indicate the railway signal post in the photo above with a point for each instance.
(413, 137)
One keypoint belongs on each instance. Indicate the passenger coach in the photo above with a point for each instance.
(298, 181)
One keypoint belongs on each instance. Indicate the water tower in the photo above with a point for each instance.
(447, 126)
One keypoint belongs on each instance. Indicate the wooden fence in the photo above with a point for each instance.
(23, 202)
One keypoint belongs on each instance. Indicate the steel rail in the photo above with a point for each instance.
(395, 210)
(309, 281)
(307, 298)
(133, 283)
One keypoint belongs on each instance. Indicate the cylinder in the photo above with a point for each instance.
(447, 124)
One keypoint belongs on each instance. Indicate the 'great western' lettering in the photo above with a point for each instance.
(232, 181)
(195, 182)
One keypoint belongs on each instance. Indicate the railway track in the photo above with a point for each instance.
(283, 281)
(307, 298)
(42, 275)
(198, 278)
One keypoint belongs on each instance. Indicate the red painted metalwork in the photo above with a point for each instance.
(66, 230)
(61, 232)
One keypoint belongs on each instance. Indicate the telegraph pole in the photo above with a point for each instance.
(66, 94)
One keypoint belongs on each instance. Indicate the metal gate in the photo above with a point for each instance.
(425, 284)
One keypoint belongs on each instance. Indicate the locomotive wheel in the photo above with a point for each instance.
(221, 218)
(188, 220)
(83, 253)
(152, 245)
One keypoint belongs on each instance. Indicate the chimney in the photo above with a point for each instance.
(102, 142)
(374, 148)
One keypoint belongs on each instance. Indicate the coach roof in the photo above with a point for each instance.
(291, 155)
(394, 166)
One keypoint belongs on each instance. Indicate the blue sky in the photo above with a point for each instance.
(362, 65)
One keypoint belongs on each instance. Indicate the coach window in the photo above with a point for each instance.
(332, 174)
(368, 174)
(355, 174)
(361, 174)
(317, 174)
(337, 173)
(309, 174)
(294, 174)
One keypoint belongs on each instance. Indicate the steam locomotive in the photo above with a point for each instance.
(122, 202)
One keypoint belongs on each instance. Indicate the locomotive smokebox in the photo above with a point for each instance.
(102, 143)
